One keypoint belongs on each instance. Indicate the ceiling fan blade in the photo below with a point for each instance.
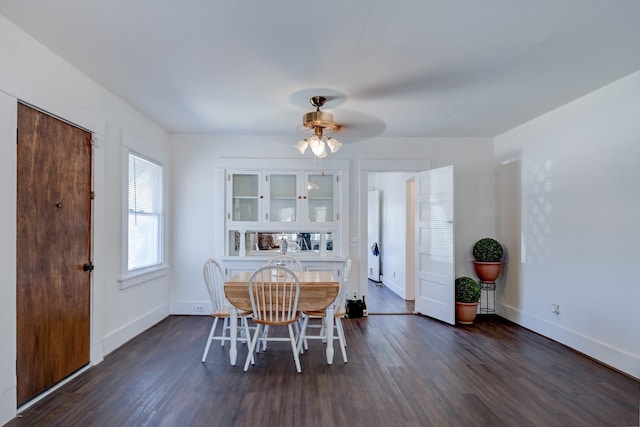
(356, 126)
(432, 82)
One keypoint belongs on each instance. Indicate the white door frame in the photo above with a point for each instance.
(364, 168)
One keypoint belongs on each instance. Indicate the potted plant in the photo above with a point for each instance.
(467, 297)
(488, 259)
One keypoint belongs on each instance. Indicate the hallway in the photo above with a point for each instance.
(381, 300)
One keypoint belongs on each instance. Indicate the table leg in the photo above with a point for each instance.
(233, 320)
(329, 332)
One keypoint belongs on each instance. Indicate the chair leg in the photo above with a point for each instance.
(247, 334)
(302, 338)
(294, 349)
(211, 333)
(254, 340)
(341, 339)
(225, 328)
(265, 334)
(304, 341)
(341, 331)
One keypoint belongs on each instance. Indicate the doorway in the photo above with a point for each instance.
(53, 251)
(402, 267)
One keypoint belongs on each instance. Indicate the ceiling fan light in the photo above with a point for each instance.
(323, 153)
(316, 145)
(302, 145)
(334, 144)
(319, 122)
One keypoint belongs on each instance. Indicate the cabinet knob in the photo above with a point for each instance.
(262, 197)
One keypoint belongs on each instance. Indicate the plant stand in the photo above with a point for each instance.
(487, 297)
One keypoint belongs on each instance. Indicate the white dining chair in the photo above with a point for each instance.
(294, 265)
(274, 291)
(220, 307)
(320, 315)
(288, 261)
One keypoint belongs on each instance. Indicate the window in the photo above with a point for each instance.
(145, 194)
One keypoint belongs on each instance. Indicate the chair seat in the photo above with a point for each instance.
(280, 322)
(323, 313)
(226, 312)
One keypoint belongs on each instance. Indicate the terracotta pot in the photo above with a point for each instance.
(487, 271)
(466, 312)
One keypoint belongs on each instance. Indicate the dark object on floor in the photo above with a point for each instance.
(355, 308)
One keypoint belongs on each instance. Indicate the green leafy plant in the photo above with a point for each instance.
(467, 290)
(487, 250)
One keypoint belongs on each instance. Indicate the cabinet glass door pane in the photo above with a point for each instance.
(283, 198)
(320, 198)
(245, 197)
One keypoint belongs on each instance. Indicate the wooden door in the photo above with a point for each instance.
(53, 245)
(434, 265)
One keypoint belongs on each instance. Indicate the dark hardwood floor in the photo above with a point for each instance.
(381, 300)
(403, 370)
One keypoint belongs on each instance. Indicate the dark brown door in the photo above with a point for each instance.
(53, 245)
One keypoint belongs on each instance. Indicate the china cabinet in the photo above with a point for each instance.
(282, 197)
(267, 207)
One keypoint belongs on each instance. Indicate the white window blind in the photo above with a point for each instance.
(145, 213)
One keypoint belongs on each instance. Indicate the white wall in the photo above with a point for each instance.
(32, 73)
(568, 210)
(197, 193)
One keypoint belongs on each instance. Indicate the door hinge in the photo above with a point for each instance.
(229, 177)
(337, 178)
(337, 216)
(88, 266)
(92, 195)
(17, 135)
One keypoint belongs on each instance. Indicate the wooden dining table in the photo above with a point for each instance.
(318, 290)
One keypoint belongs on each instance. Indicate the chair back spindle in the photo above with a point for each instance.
(274, 292)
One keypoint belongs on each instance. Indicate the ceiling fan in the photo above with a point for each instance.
(319, 122)
(353, 126)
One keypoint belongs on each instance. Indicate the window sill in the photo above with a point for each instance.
(142, 276)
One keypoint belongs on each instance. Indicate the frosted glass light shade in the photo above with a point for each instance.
(302, 145)
(323, 154)
(316, 145)
(334, 144)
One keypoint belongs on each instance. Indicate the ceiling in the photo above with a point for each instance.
(408, 68)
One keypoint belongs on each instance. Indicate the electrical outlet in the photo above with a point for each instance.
(555, 309)
(199, 308)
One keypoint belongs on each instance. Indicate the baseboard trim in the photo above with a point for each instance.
(117, 338)
(614, 358)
